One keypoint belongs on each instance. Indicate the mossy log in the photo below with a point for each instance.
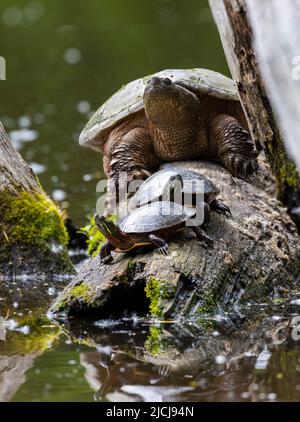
(255, 256)
(249, 30)
(33, 237)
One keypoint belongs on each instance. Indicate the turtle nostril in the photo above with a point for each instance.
(167, 81)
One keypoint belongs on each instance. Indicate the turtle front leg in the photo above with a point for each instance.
(132, 156)
(235, 148)
(159, 243)
(202, 236)
(105, 252)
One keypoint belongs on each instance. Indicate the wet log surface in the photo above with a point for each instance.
(255, 256)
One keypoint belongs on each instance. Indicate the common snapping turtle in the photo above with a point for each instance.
(171, 115)
(150, 225)
(195, 188)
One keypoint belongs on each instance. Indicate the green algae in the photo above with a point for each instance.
(154, 344)
(78, 293)
(31, 219)
(158, 292)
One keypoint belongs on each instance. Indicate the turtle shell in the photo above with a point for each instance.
(153, 188)
(129, 100)
(156, 216)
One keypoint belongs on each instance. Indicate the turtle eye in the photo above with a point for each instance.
(167, 81)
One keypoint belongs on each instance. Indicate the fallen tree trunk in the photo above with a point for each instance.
(33, 238)
(255, 256)
(260, 40)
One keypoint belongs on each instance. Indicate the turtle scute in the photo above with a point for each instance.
(155, 216)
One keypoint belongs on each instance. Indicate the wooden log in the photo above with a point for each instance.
(33, 238)
(16, 175)
(247, 54)
(255, 256)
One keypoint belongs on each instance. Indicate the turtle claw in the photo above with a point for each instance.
(106, 259)
(209, 242)
(239, 166)
(164, 250)
(221, 208)
(249, 167)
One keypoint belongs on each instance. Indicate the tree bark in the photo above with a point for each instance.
(33, 238)
(251, 32)
(255, 256)
(16, 175)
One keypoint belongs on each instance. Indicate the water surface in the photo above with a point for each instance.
(64, 58)
(135, 359)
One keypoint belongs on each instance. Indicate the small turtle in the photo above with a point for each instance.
(169, 116)
(159, 186)
(150, 225)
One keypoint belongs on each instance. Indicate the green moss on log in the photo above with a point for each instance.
(158, 292)
(283, 168)
(31, 219)
(80, 293)
(33, 237)
(207, 305)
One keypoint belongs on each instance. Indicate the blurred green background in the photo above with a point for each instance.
(64, 58)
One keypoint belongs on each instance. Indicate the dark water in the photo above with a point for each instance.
(63, 59)
(135, 360)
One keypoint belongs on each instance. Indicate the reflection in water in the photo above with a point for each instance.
(137, 360)
(122, 370)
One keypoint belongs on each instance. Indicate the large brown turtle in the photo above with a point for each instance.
(171, 115)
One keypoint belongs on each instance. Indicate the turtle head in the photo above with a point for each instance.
(168, 104)
(111, 231)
